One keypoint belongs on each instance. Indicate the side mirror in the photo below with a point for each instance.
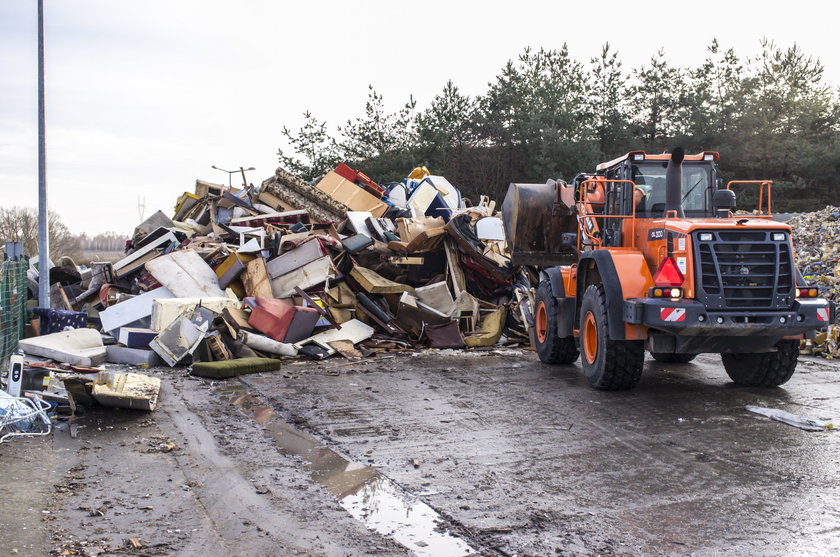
(723, 202)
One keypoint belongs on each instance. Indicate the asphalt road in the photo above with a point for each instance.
(526, 459)
(437, 453)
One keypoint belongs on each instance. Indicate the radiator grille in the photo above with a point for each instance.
(743, 270)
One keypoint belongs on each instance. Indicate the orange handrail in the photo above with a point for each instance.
(762, 184)
(585, 215)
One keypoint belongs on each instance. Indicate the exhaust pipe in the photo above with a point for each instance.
(673, 183)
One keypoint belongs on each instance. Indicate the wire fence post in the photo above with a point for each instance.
(13, 296)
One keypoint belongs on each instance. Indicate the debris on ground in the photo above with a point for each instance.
(20, 416)
(808, 424)
(816, 239)
(291, 269)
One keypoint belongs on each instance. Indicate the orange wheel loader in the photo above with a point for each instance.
(646, 254)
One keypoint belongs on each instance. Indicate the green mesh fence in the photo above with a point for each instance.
(13, 294)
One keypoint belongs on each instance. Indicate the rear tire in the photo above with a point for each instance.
(769, 369)
(551, 348)
(609, 365)
(666, 358)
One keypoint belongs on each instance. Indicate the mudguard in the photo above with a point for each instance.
(555, 278)
(565, 306)
(634, 282)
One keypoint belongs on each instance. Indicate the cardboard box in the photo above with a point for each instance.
(350, 195)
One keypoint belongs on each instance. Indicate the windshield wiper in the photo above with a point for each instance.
(692, 189)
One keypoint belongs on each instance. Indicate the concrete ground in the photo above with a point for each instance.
(437, 453)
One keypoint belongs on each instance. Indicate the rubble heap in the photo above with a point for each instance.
(286, 269)
(816, 239)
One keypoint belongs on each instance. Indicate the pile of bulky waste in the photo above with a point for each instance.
(237, 279)
(816, 239)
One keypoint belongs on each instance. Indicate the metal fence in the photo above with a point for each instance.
(13, 295)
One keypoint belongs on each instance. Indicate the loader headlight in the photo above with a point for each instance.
(706, 237)
(778, 236)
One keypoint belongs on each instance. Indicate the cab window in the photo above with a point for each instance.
(696, 187)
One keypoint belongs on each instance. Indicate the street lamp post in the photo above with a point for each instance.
(43, 216)
(232, 172)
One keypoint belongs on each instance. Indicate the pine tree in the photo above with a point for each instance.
(314, 151)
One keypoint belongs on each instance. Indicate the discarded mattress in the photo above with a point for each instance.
(78, 347)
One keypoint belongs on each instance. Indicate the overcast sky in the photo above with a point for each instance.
(144, 96)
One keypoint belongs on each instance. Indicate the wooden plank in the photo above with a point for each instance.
(374, 283)
(426, 240)
(255, 279)
(137, 263)
(407, 260)
(345, 348)
(237, 319)
(455, 272)
(58, 298)
(164, 240)
(274, 202)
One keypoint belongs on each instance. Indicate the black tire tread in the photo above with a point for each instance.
(768, 369)
(624, 359)
(557, 350)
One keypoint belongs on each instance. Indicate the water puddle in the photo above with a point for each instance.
(367, 495)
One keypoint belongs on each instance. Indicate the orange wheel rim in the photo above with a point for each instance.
(590, 337)
(542, 323)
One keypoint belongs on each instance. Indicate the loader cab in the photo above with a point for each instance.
(699, 179)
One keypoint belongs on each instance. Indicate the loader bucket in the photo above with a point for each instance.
(535, 218)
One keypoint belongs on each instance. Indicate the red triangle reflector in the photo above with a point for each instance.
(668, 274)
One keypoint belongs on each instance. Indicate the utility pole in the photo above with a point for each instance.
(43, 222)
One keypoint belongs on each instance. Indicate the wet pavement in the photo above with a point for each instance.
(367, 495)
(438, 453)
(526, 459)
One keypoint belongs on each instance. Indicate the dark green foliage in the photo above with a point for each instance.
(315, 152)
(547, 115)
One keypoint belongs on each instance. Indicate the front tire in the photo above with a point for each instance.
(551, 348)
(666, 358)
(609, 365)
(769, 369)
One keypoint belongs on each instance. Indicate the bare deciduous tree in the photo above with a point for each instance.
(20, 224)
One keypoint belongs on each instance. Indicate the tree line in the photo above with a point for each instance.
(20, 224)
(546, 115)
